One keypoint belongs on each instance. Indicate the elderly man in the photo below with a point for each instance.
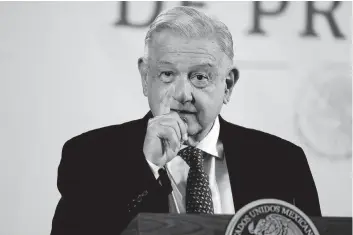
(182, 157)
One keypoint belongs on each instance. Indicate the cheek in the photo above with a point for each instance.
(209, 103)
(205, 106)
(154, 95)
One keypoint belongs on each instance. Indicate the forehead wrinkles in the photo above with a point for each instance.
(183, 59)
(183, 56)
(189, 47)
(188, 55)
(165, 43)
(185, 52)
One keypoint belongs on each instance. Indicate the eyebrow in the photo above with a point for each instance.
(210, 65)
(161, 62)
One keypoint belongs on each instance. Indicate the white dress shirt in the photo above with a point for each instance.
(216, 169)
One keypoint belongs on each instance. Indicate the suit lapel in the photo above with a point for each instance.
(231, 139)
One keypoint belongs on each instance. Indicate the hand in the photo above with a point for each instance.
(165, 134)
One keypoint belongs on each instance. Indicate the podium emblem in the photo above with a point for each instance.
(270, 217)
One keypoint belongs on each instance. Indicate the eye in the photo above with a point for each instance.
(167, 73)
(200, 80)
(166, 76)
(200, 77)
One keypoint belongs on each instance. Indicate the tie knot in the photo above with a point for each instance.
(192, 156)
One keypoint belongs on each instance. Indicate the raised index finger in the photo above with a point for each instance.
(166, 100)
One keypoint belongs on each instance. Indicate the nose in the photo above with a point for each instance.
(183, 90)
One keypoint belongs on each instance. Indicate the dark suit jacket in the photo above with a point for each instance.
(105, 181)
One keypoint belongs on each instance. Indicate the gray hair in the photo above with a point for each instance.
(192, 23)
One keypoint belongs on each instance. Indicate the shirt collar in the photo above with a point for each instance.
(209, 143)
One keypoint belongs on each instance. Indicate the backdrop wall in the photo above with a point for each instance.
(66, 68)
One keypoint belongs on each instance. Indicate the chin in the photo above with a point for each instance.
(194, 129)
(194, 126)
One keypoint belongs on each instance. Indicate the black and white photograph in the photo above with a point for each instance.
(176, 117)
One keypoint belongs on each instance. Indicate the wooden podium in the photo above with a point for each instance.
(180, 224)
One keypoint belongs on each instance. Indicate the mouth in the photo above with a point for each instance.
(185, 112)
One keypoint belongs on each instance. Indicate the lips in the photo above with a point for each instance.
(184, 111)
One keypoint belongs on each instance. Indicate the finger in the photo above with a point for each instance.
(182, 126)
(171, 140)
(171, 122)
(170, 154)
(192, 142)
(166, 100)
(166, 121)
(178, 124)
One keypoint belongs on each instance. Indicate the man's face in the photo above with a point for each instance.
(194, 72)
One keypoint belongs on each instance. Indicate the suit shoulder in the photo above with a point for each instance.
(269, 151)
(265, 140)
(105, 134)
(271, 139)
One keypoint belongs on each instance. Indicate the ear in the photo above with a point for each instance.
(142, 66)
(231, 79)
